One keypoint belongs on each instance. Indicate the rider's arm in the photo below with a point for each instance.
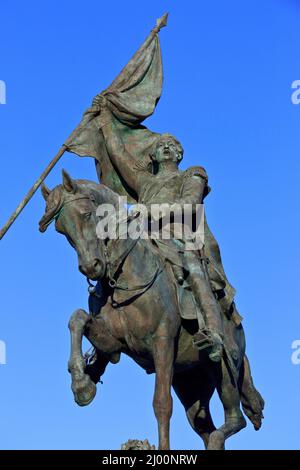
(195, 187)
(190, 196)
(121, 158)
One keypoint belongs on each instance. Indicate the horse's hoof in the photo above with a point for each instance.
(216, 441)
(256, 420)
(84, 390)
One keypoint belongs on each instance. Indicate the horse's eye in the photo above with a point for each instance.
(87, 215)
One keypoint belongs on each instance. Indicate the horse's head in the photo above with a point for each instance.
(73, 206)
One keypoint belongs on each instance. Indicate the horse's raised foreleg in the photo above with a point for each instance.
(83, 387)
(234, 420)
(163, 353)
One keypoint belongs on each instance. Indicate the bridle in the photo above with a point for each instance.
(56, 216)
(91, 287)
(115, 283)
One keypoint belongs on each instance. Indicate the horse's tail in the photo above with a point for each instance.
(252, 401)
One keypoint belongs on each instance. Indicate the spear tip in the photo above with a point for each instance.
(161, 22)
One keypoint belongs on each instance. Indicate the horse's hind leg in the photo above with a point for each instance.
(83, 387)
(252, 401)
(194, 389)
(234, 420)
(163, 355)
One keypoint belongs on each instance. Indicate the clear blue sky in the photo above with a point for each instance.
(228, 70)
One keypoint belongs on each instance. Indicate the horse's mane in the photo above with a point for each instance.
(59, 196)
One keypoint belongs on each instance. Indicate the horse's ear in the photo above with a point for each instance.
(45, 191)
(68, 183)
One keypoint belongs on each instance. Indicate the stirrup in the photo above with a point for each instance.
(216, 353)
(202, 340)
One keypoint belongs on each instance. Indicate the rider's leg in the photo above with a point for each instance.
(208, 303)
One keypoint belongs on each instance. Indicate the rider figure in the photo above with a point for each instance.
(170, 185)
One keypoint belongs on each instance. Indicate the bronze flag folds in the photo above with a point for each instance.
(131, 97)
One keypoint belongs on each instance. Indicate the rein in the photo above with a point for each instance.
(113, 265)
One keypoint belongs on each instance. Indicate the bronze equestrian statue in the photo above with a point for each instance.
(165, 302)
(141, 317)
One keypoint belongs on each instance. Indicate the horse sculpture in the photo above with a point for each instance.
(146, 323)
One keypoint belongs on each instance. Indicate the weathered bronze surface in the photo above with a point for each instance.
(141, 318)
(167, 306)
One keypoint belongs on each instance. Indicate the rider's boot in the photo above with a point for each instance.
(205, 339)
(216, 353)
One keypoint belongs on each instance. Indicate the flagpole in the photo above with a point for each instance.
(160, 23)
(32, 190)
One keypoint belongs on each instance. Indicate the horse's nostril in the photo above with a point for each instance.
(97, 263)
(93, 268)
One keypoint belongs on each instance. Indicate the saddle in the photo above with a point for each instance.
(123, 291)
(164, 251)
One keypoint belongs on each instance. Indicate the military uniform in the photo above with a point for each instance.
(185, 187)
(205, 273)
(171, 186)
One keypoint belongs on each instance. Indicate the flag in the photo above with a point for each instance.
(132, 97)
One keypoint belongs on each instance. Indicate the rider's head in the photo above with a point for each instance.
(167, 148)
